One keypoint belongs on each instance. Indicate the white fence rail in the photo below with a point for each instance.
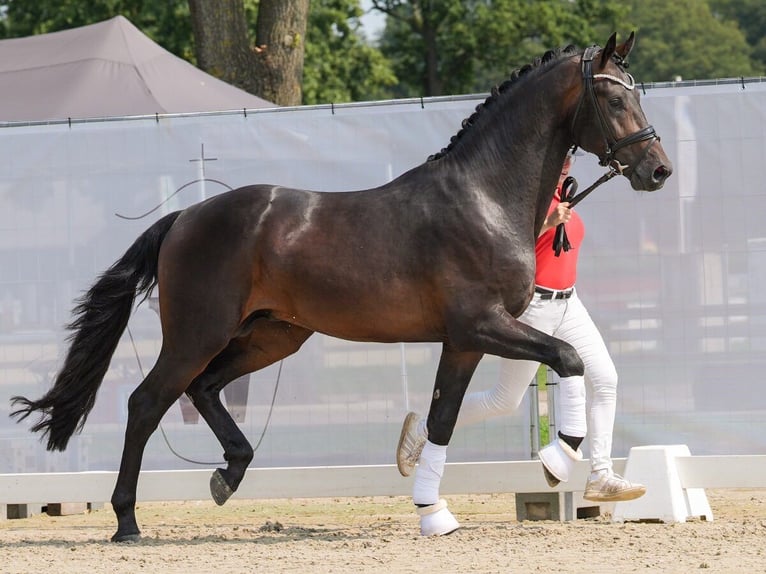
(376, 480)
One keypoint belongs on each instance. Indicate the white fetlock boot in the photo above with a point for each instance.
(436, 520)
(559, 459)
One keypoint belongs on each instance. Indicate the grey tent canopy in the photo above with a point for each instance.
(105, 69)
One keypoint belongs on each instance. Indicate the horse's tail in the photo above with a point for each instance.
(101, 316)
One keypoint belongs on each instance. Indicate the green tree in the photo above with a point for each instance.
(459, 46)
(340, 65)
(684, 39)
(522, 31)
(750, 16)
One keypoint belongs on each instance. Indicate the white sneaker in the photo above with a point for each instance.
(411, 444)
(606, 486)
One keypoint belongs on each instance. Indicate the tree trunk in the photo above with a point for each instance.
(220, 40)
(424, 22)
(280, 35)
(273, 69)
(433, 82)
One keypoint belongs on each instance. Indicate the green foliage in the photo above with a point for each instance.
(684, 39)
(545, 430)
(339, 66)
(542, 389)
(404, 43)
(479, 43)
(468, 45)
(750, 16)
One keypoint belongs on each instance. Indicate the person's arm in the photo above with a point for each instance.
(561, 214)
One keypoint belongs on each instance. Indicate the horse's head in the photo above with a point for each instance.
(609, 122)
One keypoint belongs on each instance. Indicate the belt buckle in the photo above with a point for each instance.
(557, 294)
(553, 294)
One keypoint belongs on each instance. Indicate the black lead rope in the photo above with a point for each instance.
(561, 241)
(568, 190)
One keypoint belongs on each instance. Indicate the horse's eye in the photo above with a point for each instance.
(617, 104)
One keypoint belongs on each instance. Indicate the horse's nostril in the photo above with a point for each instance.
(661, 173)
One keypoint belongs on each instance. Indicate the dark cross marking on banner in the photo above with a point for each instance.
(202, 159)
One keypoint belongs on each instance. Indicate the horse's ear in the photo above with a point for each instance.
(624, 49)
(608, 50)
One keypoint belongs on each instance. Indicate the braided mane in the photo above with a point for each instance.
(539, 63)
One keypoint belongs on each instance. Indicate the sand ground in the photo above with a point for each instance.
(380, 534)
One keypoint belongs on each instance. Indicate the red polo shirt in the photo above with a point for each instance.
(558, 272)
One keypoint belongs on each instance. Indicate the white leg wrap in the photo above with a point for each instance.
(570, 410)
(559, 458)
(429, 473)
(437, 520)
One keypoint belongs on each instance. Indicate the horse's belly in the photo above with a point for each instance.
(373, 319)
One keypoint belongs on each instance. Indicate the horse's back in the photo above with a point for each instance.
(302, 256)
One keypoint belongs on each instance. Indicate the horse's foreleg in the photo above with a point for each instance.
(452, 378)
(267, 343)
(496, 332)
(146, 406)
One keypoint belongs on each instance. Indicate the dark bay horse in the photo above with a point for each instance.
(444, 253)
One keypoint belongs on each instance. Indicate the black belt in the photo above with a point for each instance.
(553, 294)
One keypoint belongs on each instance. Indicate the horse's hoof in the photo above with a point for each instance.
(436, 520)
(126, 538)
(219, 488)
(552, 481)
(559, 459)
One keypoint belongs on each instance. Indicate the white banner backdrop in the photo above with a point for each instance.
(673, 279)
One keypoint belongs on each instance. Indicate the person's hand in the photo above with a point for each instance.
(562, 214)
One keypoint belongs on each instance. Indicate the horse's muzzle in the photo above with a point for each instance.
(642, 179)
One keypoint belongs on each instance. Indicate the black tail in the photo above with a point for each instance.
(101, 316)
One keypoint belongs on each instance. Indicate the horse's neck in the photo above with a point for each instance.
(516, 155)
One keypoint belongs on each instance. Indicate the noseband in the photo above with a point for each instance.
(613, 145)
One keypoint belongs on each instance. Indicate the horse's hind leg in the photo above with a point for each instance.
(146, 406)
(237, 452)
(267, 343)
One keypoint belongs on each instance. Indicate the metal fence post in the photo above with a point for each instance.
(551, 385)
(534, 416)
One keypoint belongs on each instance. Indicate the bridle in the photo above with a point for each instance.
(612, 144)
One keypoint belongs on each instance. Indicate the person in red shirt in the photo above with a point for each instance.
(557, 310)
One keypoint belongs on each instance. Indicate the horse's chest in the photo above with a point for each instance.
(515, 278)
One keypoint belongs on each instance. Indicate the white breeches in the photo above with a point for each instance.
(579, 409)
